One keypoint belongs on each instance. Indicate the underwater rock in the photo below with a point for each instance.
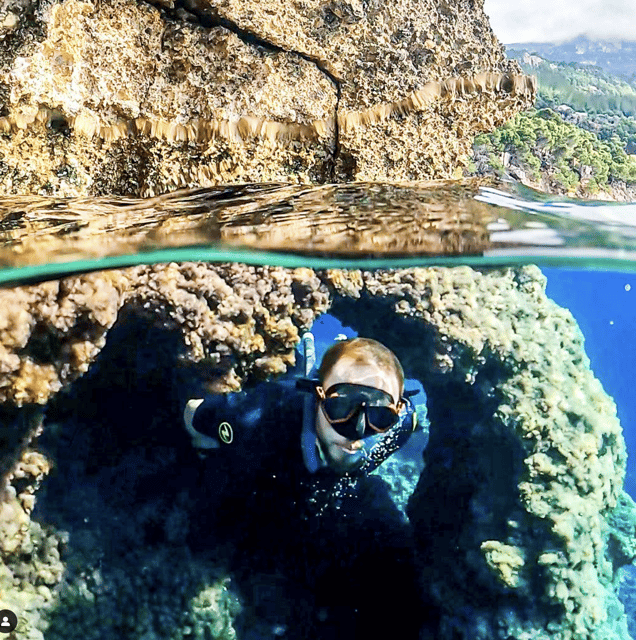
(235, 320)
(134, 99)
(30, 553)
(628, 597)
(622, 535)
(525, 456)
(514, 512)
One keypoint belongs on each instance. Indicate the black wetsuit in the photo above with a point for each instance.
(337, 543)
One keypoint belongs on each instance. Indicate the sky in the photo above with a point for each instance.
(558, 20)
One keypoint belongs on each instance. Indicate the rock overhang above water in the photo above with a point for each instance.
(136, 99)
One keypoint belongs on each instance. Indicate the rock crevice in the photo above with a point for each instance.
(209, 18)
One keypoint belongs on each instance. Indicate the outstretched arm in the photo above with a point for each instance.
(229, 420)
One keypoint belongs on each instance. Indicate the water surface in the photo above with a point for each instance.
(126, 514)
(370, 225)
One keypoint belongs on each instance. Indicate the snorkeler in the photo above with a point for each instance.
(356, 414)
(287, 485)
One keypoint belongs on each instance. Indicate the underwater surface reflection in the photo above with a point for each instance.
(340, 225)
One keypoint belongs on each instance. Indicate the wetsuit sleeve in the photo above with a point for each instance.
(237, 420)
(229, 420)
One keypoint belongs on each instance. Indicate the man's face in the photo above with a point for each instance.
(342, 453)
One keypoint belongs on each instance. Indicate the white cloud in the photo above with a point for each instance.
(558, 20)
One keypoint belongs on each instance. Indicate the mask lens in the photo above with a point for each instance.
(349, 428)
(377, 420)
(381, 418)
(339, 407)
(343, 410)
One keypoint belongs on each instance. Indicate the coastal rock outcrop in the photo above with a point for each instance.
(140, 98)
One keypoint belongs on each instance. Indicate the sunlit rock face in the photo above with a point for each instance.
(136, 99)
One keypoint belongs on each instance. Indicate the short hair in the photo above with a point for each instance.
(361, 350)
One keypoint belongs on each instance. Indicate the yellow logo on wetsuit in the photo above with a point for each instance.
(226, 433)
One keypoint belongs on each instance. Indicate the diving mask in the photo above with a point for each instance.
(356, 411)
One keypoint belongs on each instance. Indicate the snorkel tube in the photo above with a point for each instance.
(376, 449)
(308, 435)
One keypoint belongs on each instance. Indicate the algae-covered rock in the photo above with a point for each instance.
(525, 457)
(514, 514)
(30, 552)
(621, 541)
(53, 331)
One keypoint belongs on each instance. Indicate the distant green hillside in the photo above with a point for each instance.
(580, 139)
(582, 87)
(542, 145)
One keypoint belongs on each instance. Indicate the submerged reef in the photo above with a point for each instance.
(53, 331)
(520, 524)
(525, 456)
(140, 98)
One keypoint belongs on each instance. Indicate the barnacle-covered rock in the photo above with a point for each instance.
(120, 98)
(379, 52)
(129, 98)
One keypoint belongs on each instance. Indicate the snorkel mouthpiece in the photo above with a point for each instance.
(353, 461)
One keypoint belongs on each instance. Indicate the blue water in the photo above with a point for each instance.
(604, 305)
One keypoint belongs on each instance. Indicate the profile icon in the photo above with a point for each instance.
(8, 621)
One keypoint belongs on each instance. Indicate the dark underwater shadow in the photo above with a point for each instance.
(163, 542)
